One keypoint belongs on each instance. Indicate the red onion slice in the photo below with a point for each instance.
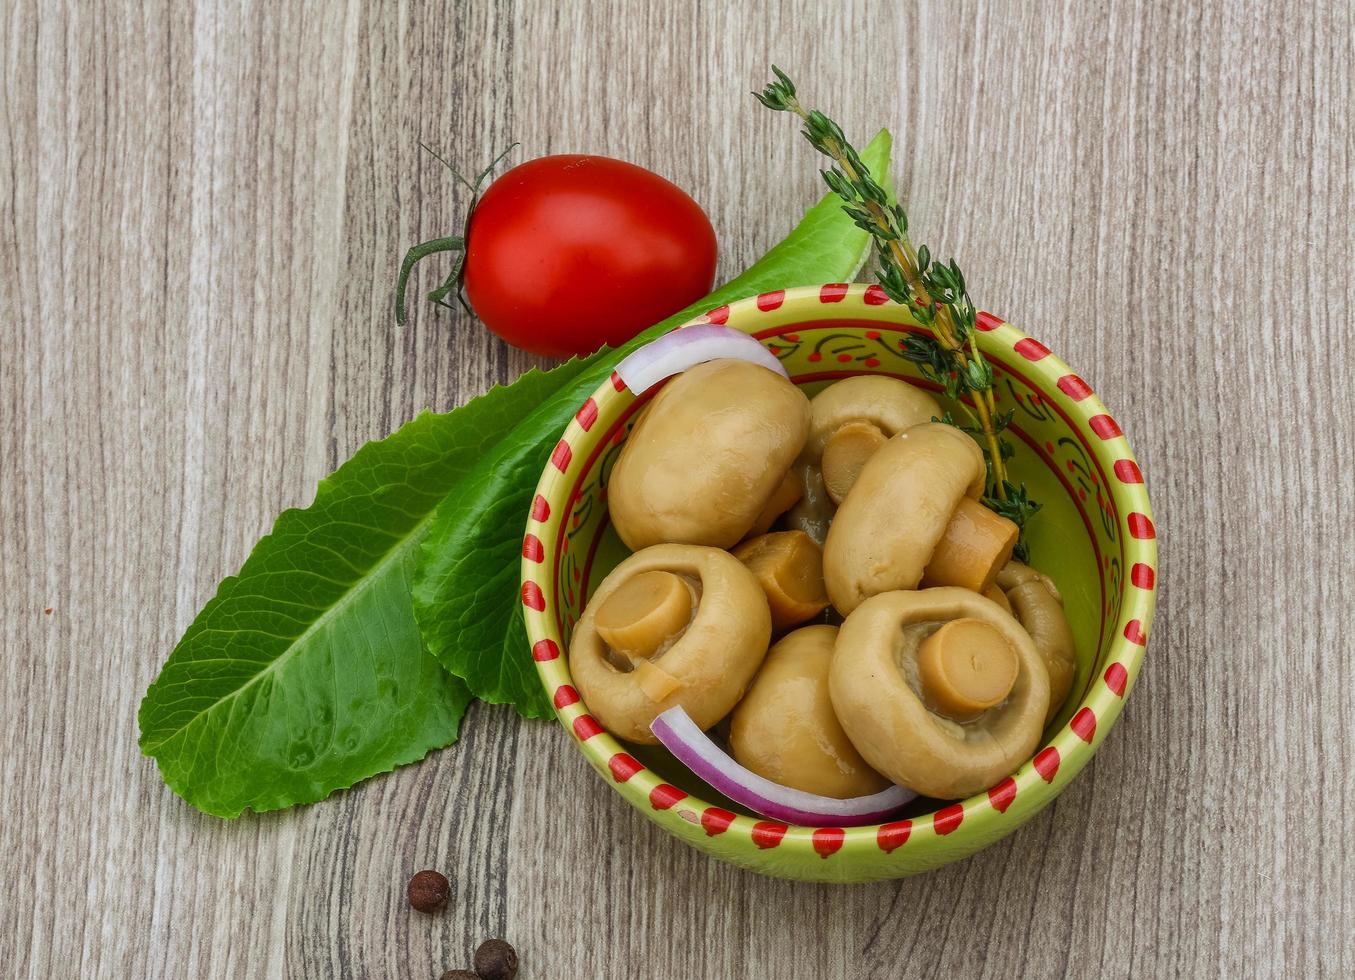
(694, 749)
(686, 347)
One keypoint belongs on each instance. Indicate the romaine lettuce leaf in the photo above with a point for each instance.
(306, 673)
(465, 590)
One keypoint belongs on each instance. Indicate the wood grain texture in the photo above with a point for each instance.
(201, 210)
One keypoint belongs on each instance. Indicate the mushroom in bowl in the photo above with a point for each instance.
(850, 420)
(671, 625)
(1093, 538)
(913, 517)
(710, 460)
(1034, 600)
(789, 567)
(941, 690)
(786, 730)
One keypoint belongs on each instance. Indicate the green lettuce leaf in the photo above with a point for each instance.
(306, 672)
(465, 589)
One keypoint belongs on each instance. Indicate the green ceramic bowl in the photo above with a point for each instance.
(1094, 536)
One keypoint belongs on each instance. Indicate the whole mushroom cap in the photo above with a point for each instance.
(890, 523)
(785, 730)
(875, 689)
(705, 668)
(705, 460)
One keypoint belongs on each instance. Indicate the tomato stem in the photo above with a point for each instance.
(451, 243)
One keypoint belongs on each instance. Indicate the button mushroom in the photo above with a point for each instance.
(789, 567)
(1036, 604)
(671, 625)
(849, 421)
(785, 730)
(708, 460)
(913, 518)
(852, 419)
(939, 690)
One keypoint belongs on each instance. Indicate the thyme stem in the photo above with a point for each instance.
(935, 293)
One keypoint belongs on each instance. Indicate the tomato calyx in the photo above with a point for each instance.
(449, 243)
(452, 284)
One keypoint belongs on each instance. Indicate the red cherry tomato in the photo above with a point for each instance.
(567, 253)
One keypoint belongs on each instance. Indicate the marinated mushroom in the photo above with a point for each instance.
(785, 730)
(708, 460)
(939, 690)
(671, 625)
(913, 518)
(789, 567)
(1037, 605)
(850, 420)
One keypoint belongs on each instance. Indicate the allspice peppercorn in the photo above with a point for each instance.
(429, 891)
(496, 960)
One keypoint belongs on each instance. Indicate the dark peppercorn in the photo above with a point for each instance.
(428, 891)
(496, 960)
(460, 975)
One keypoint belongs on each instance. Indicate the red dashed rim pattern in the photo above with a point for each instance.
(553, 578)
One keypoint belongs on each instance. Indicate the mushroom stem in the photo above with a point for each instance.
(966, 667)
(644, 613)
(973, 548)
(845, 453)
(656, 682)
(789, 567)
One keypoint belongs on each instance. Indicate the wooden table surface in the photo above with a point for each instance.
(201, 213)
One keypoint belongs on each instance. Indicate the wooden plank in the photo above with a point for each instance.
(201, 211)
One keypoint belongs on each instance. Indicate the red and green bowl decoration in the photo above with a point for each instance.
(1094, 537)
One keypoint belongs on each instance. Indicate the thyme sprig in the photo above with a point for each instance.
(934, 292)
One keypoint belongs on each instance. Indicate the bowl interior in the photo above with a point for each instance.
(1079, 537)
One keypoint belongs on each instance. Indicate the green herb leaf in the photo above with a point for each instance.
(936, 295)
(306, 672)
(465, 591)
